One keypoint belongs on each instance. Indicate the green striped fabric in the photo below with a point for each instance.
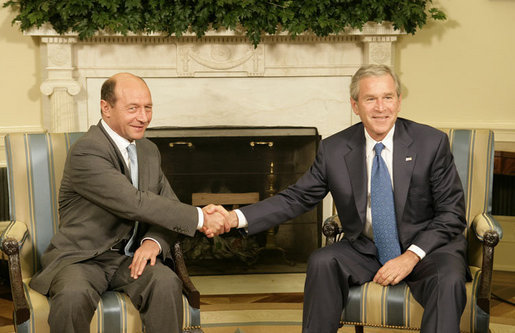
(393, 306)
(35, 164)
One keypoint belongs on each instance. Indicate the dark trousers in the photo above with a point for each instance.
(437, 283)
(76, 289)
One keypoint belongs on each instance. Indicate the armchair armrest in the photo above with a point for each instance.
(16, 230)
(192, 294)
(490, 240)
(485, 222)
(489, 232)
(12, 240)
(332, 229)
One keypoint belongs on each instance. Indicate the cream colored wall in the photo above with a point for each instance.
(461, 72)
(19, 78)
(455, 73)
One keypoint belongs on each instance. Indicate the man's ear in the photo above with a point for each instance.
(354, 105)
(105, 108)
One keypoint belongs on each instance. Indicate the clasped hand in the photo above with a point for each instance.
(217, 220)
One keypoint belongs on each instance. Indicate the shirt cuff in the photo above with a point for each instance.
(242, 220)
(417, 250)
(160, 249)
(200, 223)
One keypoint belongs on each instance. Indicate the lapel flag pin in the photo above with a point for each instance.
(409, 158)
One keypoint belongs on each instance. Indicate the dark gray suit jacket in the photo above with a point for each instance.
(98, 204)
(429, 199)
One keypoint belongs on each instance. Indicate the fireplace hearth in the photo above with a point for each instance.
(235, 166)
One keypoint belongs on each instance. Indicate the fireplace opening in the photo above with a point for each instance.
(236, 166)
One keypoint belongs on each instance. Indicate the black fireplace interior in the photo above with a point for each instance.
(242, 162)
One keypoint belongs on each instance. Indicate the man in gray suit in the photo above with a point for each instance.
(118, 217)
(425, 210)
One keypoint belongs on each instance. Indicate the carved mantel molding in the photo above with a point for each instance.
(71, 64)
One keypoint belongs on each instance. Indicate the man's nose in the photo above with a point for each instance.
(379, 104)
(142, 115)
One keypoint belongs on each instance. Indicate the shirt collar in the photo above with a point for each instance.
(387, 141)
(120, 142)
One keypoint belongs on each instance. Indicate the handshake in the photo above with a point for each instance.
(218, 220)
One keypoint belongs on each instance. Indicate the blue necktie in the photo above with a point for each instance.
(383, 211)
(133, 165)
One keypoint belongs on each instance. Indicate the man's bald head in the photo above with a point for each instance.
(108, 94)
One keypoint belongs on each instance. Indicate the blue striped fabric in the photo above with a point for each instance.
(38, 151)
(39, 157)
(463, 144)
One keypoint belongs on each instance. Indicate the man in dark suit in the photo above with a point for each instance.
(118, 217)
(424, 246)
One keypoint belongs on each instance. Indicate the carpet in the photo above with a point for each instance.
(283, 328)
(285, 321)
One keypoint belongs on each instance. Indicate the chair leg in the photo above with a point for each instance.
(359, 328)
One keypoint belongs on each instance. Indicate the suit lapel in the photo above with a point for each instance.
(123, 166)
(142, 166)
(355, 160)
(404, 159)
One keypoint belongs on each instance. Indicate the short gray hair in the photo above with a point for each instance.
(372, 70)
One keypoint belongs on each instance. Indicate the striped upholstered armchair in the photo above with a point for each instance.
(35, 165)
(394, 307)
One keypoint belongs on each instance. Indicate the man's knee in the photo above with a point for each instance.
(75, 296)
(164, 279)
(72, 307)
(444, 281)
(452, 280)
(320, 260)
(169, 282)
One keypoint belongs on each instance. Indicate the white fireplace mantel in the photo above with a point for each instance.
(220, 79)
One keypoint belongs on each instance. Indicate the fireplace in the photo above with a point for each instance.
(235, 166)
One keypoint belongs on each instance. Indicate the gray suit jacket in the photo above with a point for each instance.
(98, 204)
(428, 194)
